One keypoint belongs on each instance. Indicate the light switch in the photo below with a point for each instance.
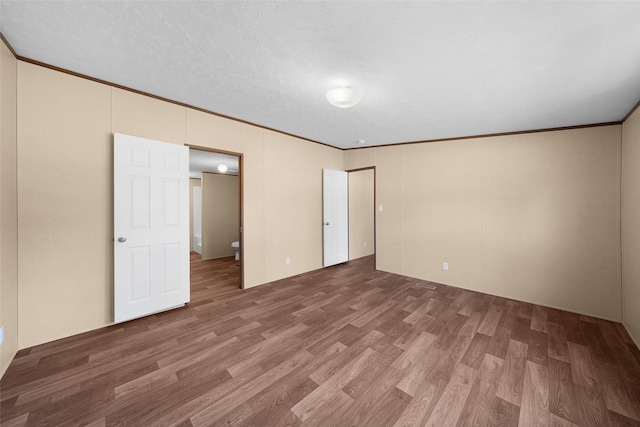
(379, 208)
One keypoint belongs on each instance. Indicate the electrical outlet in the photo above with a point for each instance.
(364, 244)
(287, 260)
(379, 208)
(445, 266)
(1, 335)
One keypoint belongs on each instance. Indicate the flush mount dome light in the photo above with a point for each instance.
(343, 97)
(222, 168)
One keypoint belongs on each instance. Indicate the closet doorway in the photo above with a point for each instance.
(362, 212)
(215, 206)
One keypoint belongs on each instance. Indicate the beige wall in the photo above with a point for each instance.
(65, 230)
(441, 208)
(551, 219)
(631, 224)
(361, 213)
(293, 203)
(220, 224)
(533, 217)
(8, 209)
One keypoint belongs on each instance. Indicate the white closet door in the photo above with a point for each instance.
(151, 226)
(335, 207)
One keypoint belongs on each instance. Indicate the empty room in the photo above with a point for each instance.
(332, 213)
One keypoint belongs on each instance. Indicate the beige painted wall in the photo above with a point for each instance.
(65, 228)
(220, 224)
(65, 215)
(441, 212)
(8, 209)
(293, 203)
(532, 217)
(631, 224)
(361, 214)
(551, 219)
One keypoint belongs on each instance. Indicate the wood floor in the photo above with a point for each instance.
(337, 347)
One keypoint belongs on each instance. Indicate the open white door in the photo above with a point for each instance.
(151, 226)
(335, 208)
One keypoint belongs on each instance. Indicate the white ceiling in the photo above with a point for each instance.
(428, 70)
(208, 161)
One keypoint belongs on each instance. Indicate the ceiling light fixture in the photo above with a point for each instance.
(222, 168)
(343, 97)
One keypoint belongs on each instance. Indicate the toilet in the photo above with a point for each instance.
(236, 247)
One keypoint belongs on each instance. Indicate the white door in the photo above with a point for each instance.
(335, 208)
(151, 226)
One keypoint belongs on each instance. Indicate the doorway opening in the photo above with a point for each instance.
(362, 213)
(215, 206)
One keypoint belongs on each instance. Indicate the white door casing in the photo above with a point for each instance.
(151, 226)
(335, 216)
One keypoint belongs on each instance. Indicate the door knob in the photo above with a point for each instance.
(326, 223)
(122, 239)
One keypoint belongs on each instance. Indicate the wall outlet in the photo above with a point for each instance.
(445, 266)
(379, 208)
(1, 335)
(364, 244)
(287, 260)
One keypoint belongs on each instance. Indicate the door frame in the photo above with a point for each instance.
(240, 198)
(375, 210)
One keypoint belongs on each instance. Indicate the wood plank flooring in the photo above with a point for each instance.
(343, 346)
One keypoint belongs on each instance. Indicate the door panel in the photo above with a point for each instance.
(335, 207)
(140, 273)
(151, 226)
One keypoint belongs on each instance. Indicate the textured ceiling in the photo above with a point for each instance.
(208, 161)
(428, 70)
